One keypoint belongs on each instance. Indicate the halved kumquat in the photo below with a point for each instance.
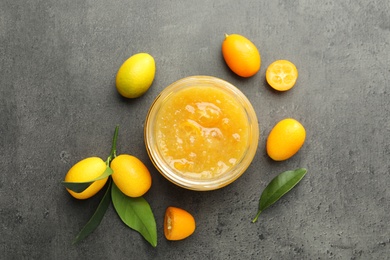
(281, 75)
(178, 224)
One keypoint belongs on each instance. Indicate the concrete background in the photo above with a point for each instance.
(58, 61)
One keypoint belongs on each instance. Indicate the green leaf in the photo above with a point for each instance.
(97, 217)
(279, 186)
(81, 186)
(135, 213)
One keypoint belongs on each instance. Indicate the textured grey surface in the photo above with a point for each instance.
(58, 61)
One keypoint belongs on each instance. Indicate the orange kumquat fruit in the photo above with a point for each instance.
(131, 175)
(86, 170)
(241, 55)
(281, 75)
(178, 224)
(285, 139)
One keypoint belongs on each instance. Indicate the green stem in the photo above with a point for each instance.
(257, 216)
(113, 146)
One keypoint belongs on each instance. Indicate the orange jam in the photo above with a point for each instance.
(202, 131)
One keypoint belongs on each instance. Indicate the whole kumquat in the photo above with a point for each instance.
(85, 170)
(285, 139)
(136, 75)
(241, 55)
(130, 175)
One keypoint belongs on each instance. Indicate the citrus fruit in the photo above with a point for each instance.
(281, 75)
(178, 224)
(241, 55)
(285, 139)
(130, 175)
(136, 75)
(86, 170)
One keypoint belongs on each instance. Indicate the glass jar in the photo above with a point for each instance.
(201, 133)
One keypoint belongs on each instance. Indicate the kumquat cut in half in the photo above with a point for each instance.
(281, 75)
(178, 224)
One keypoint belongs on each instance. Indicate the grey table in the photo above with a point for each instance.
(58, 103)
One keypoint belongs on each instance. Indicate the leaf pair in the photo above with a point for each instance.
(279, 186)
(134, 212)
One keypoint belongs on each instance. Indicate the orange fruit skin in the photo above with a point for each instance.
(241, 55)
(85, 170)
(130, 175)
(178, 224)
(285, 139)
